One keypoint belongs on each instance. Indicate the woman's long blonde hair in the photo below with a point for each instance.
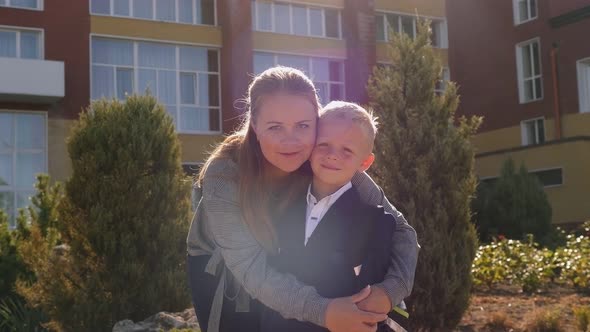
(255, 187)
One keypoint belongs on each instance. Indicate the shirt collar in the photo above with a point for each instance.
(330, 198)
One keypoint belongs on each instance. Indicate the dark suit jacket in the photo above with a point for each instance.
(350, 234)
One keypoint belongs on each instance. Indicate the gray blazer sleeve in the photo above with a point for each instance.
(399, 279)
(245, 257)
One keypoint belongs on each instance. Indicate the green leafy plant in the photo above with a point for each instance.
(582, 315)
(16, 316)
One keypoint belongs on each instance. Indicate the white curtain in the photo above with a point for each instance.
(143, 9)
(282, 18)
(112, 52)
(29, 45)
(263, 61)
(6, 135)
(165, 10)
(295, 61)
(299, 20)
(155, 55)
(7, 43)
(24, 3)
(193, 58)
(316, 22)
(264, 15)
(103, 82)
(185, 11)
(101, 7)
(193, 119)
(30, 129)
(188, 88)
(121, 7)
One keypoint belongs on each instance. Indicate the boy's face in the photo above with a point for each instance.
(342, 148)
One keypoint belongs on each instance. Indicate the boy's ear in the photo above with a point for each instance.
(367, 163)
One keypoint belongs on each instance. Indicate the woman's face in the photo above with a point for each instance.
(286, 129)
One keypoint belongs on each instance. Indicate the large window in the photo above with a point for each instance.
(180, 11)
(26, 4)
(407, 24)
(533, 131)
(327, 74)
(20, 43)
(295, 19)
(23, 154)
(584, 84)
(524, 10)
(184, 78)
(528, 63)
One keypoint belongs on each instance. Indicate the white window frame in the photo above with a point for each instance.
(531, 171)
(154, 14)
(523, 131)
(516, 11)
(520, 71)
(583, 84)
(39, 6)
(136, 68)
(18, 31)
(307, 9)
(13, 188)
(310, 58)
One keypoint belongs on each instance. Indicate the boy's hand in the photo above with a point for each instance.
(378, 301)
(343, 315)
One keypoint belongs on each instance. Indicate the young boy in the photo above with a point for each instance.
(330, 239)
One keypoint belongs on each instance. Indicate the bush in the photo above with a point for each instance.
(545, 321)
(122, 222)
(15, 315)
(582, 315)
(499, 321)
(521, 263)
(573, 261)
(424, 162)
(513, 205)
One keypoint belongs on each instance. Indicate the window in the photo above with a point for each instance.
(439, 34)
(326, 74)
(179, 11)
(524, 10)
(23, 154)
(549, 177)
(184, 78)
(584, 84)
(533, 131)
(23, 44)
(528, 65)
(27, 4)
(407, 24)
(294, 19)
(441, 84)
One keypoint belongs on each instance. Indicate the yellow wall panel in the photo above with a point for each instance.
(165, 31)
(434, 8)
(280, 43)
(196, 148)
(570, 200)
(575, 124)
(59, 165)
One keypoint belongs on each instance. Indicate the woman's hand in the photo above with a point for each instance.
(343, 315)
(378, 301)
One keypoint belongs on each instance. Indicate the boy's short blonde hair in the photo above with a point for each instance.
(355, 113)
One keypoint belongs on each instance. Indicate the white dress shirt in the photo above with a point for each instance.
(316, 210)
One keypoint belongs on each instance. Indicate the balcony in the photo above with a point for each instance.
(31, 81)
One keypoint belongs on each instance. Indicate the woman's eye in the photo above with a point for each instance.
(276, 127)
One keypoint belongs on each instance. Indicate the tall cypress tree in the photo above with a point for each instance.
(123, 222)
(424, 162)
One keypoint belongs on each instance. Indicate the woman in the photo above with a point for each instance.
(251, 173)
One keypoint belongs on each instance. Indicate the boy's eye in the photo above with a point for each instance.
(303, 125)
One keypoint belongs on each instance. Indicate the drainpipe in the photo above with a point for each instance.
(556, 110)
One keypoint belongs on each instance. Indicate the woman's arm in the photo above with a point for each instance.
(246, 260)
(399, 279)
